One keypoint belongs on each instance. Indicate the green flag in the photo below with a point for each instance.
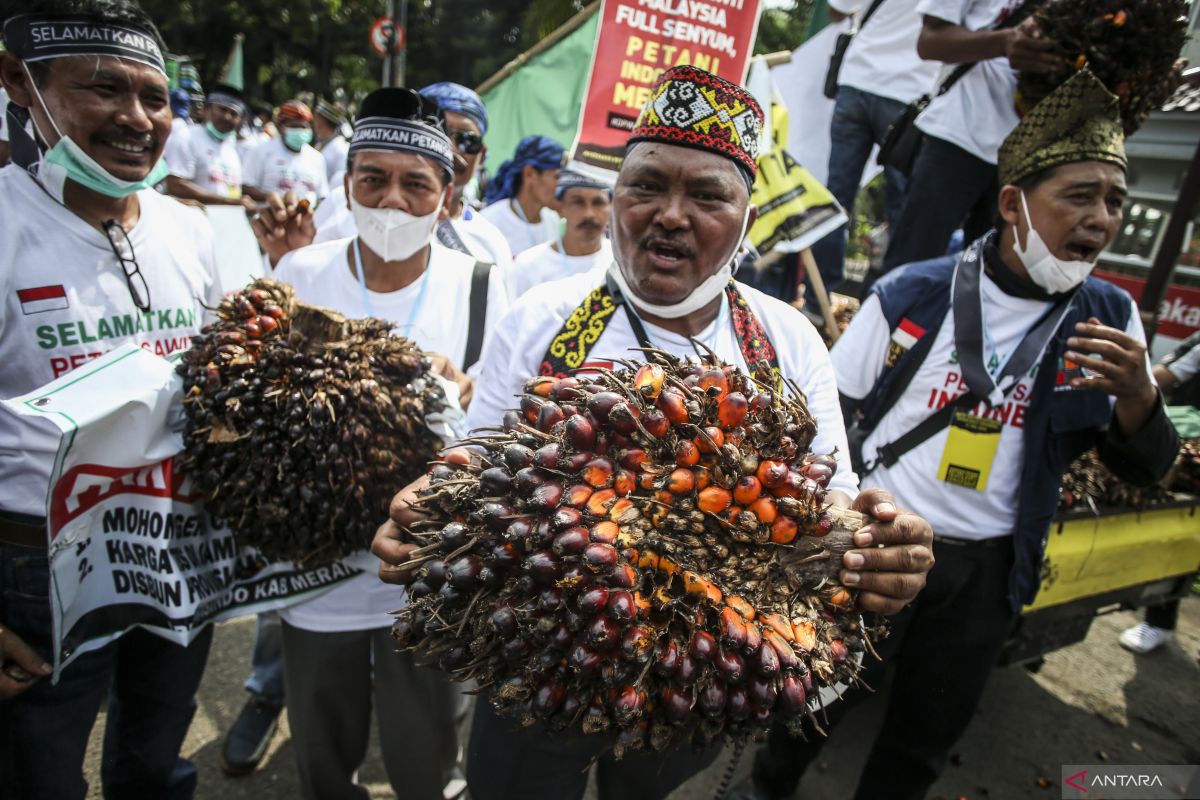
(232, 76)
(543, 96)
(818, 19)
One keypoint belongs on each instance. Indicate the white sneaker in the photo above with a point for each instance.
(1143, 637)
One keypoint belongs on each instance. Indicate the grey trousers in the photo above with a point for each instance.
(332, 680)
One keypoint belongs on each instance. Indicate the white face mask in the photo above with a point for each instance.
(710, 289)
(1045, 269)
(392, 234)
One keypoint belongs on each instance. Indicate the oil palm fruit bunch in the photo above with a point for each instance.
(1185, 474)
(1131, 46)
(1087, 478)
(301, 424)
(643, 554)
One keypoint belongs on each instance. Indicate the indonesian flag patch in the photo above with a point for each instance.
(42, 298)
(907, 333)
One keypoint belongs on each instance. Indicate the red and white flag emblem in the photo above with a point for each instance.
(42, 298)
(907, 333)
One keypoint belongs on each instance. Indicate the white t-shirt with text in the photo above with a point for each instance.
(272, 167)
(194, 155)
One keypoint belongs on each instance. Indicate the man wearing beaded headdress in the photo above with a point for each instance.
(681, 208)
(980, 378)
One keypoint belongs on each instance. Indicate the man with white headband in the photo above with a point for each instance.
(91, 258)
(338, 646)
(981, 377)
(204, 160)
(680, 210)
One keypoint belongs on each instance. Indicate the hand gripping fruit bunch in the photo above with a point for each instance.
(644, 553)
(302, 424)
(1130, 45)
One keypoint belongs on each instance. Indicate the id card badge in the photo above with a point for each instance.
(970, 450)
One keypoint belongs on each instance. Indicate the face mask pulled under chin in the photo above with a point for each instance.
(708, 290)
(390, 233)
(1045, 269)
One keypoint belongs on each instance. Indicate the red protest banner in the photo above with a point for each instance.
(636, 42)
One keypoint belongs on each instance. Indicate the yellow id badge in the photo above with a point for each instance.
(970, 450)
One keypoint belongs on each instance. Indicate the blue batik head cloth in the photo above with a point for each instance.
(539, 152)
(459, 99)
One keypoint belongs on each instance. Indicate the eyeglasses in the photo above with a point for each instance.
(467, 141)
(123, 249)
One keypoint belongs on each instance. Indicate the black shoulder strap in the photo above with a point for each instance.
(906, 370)
(1011, 21)
(478, 312)
(870, 12)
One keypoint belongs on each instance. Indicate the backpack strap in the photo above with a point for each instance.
(480, 278)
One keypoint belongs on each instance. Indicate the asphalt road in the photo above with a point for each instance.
(1090, 703)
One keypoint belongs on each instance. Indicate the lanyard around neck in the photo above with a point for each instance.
(366, 299)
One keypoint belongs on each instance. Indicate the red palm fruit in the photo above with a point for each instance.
(667, 662)
(655, 422)
(665, 497)
(526, 481)
(740, 605)
(818, 472)
(497, 516)
(839, 651)
(624, 482)
(623, 418)
(676, 706)
(571, 542)
(649, 381)
(623, 576)
(822, 526)
(689, 670)
(618, 509)
(840, 599)
(804, 634)
(530, 406)
(495, 481)
(593, 601)
(784, 530)
(540, 385)
(762, 692)
(547, 497)
(642, 603)
(783, 650)
(603, 633)
(573, 462)
(790, 702)
(732, 410)
(251, 329)
(267, 324)
(628, 706)
(764, 508)
(637, 645)
(549, 415)
(597, 504)
(712, 699)
(548, 699)
(584, 661)
(565, 390)
(714, 499)
(733, 512)
(646, 480)
(601, 404)
(632, 458)
(672, 403)
(549, 600)
(737, 703)
(543, 534)
(777, 623)
(712, 439)
(504, 622)
(681, 482)
(600, 556)
(753, 639)
(620, 606)
(548, 456)
(598, 473)
(703, 477)
(699, 586)
(565, 517)
(686, 453)
(730, 665)
(714, 379)
(515, 651)
(827, 459)
(702, 647)
(772, 474)
(766, 661)
(505, 555)
(463, 572)
(517, 457)
(603, 440)
(544, 567)
(580, 432)
(605, 532)
(733, 628)
(747, 490)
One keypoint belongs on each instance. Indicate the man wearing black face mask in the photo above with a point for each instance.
(91, 258)
(981, 378)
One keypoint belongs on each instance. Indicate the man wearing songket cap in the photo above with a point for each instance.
(87, 243)
(339, 655)
(979, 378)
(287, 162)
(204, 161)
(584, 203)
(681, 208)
(520, 196)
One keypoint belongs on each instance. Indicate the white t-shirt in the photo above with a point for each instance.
(334, 152)
(66, 301)
(882, 58)
(3, 115)
(321, 275)
(547, 263)
(952, 510)
(519, 234)
(1186, 366)
(272, 167)
(193, 154)
(515, 353)
(977, 113)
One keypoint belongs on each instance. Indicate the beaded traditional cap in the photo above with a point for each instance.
(1078, 121)
(694, 108)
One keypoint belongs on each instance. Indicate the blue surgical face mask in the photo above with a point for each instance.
(296, 138)
(66, 160)
(216, 134)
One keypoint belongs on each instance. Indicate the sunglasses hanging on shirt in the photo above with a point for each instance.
(123, 249)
